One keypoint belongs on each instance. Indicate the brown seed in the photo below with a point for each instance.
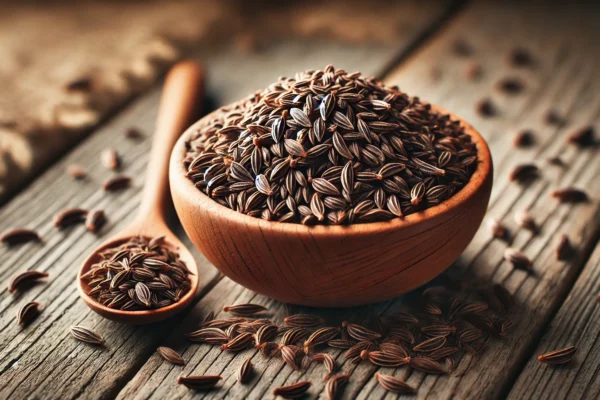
(134, 133)
(525, 220)
(520, 57)
(292, 391)
(206, 382)
(385, 359)
(359, 332)
(524, 138)
(327, 361)
(116, 183)
(245, 372)
(341, 344)
(238, 343)
(95, 220)
(25, 278)
(485, 108)
(18, 236)
(69, 216)
(582, 137)
(438, 330)
(209, 335)
(570, 195)
(320, 336)
(84, 334)
(293, 336)
(290, 355)
(510, 85)
(28, 312)
(170, 355)
(430, 345)
(473, 71)
(393, 384)
(303, 320)
(335, 386)
(498, 230)
(523, 172)
(427, 365)
(553, 117)
(556, 161)
(76, 172)
(442, 353)
(110, 159)
(244, 309)
(561, 356)
(83, 84)
(517, 258)
(563, 247)
(461, 48)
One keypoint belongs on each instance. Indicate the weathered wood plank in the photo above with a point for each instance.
(577, 323)
(34, 360)
(562, 79)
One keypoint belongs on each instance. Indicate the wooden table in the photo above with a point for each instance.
(555, 306)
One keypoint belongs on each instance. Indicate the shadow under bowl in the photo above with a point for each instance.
(333, 266)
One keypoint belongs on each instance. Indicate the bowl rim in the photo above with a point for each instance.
(476, 182)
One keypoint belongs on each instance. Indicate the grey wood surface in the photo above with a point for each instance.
(42, 361)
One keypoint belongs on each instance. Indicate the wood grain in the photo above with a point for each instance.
(577, 323)
(563, 79)
(34, 360)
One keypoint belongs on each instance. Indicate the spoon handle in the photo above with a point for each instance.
(181, 100)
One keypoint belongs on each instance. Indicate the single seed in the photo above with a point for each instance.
(110, 159)
(86, 335)
(582, 137)
(303, 320)
(498, 230)
(393, 384)
(25, 278)
(28, 312)
(18, 236)
(76, 172)
(116, 183)
(95, 220)
(570, 195)
(523, 172)
(335, 386)
(292, 391)
(245, 372)
(199, 382)
(561, 356)
(244, 309)
(69, 216)
(170, 355)
(485, 108)
(517, 258)
(524, 138)
(563, 247)
(525, 220)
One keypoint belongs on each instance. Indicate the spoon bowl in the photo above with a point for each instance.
(181, 96)
(332, 266)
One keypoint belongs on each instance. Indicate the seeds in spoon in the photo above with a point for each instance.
(170, 355)
(245, 372)
(561, 356)
(28, 312)
(206, 382)
(292, 391)
(19, 236)
(393, 384)
(244, 309)
(86, 335)
(25, 278)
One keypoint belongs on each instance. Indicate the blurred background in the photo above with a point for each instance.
(67, 66)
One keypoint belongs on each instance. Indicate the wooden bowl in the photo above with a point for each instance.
(332, 266)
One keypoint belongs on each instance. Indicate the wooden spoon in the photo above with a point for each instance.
(181, 97)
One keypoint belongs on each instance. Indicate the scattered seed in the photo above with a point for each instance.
(69, 216)
(86, 335)
(244, 309)
(461, 48)
(28, 312)
(170, 355)
(393, 384)
(427, 365)
(303, 320)
(18, 236)
(473, 71)
(245, 372)
(561, 356)
(110, 159)
(524, 138)
(25, 278)
(552, 117)
(498, 230)
(524, 172)
(583, 137)
(517, 258)
(134, 133)
(570, 195)
(292, 391)
(485, 108)
(520, 57)
(563, 247)
(95, 220)
(511, 85)
(525, 220)
(206, 382)
(335, 386)
(116, 183)
(76, 172)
